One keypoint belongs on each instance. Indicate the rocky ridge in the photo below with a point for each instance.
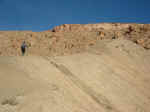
(71, 38)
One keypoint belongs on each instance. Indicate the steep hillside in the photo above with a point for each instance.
(69, 39)
(110, 76)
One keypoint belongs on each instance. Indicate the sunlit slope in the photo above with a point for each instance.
(32, 84)
(115, 75)
(112, 76)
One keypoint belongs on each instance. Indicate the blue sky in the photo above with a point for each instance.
(39, 15)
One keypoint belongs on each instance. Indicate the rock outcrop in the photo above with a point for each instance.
(71, 38)
(139, 33)
(90, 27)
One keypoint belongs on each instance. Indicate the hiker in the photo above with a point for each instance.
(23, 48)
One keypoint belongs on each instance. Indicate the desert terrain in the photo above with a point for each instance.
(76, 68)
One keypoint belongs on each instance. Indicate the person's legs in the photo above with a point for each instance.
(23, 51)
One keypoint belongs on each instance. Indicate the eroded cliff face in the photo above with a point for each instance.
(139, 33)
(90, 27)
(71, 38)
(100, 26)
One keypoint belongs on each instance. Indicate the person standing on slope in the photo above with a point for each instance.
(23, 48)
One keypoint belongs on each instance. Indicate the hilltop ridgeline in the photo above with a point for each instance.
(71, 38)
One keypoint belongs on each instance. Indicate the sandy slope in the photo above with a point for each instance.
(32, 84)
(109, 77)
